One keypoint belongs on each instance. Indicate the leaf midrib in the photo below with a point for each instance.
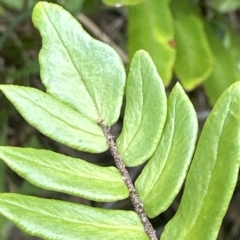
(102, 178)
(141, 115)
(58, 118)
(214, 169)
(166, 158)
(75, 67)
(79, 221)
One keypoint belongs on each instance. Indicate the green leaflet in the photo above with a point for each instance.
(194, 58)
(226, 58)
(151, 28)
(58, 220)
(61, 173)
(145, 112)
(78, 70)
(55, 119)
(213, 173)
(224, 6)
(121, 2)
(163, 176)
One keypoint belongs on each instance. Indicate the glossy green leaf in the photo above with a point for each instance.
(213, 173)
(55, 119)
(163, 176)
(58, 220)
(145, 112)
(194, 59)
(225, 45)
(150, 27)
(224, 6)
(61, 173)
(121, 2)
(78, 70)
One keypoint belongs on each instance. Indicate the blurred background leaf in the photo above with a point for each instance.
(121, 2)
(194, 58)
(224, 6)
(150, 27)
(225, 47)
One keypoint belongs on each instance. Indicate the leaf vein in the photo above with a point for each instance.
(74, 65)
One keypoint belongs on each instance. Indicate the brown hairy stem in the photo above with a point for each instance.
(138, 205)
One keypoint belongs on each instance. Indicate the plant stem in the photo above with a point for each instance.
(138, 205)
